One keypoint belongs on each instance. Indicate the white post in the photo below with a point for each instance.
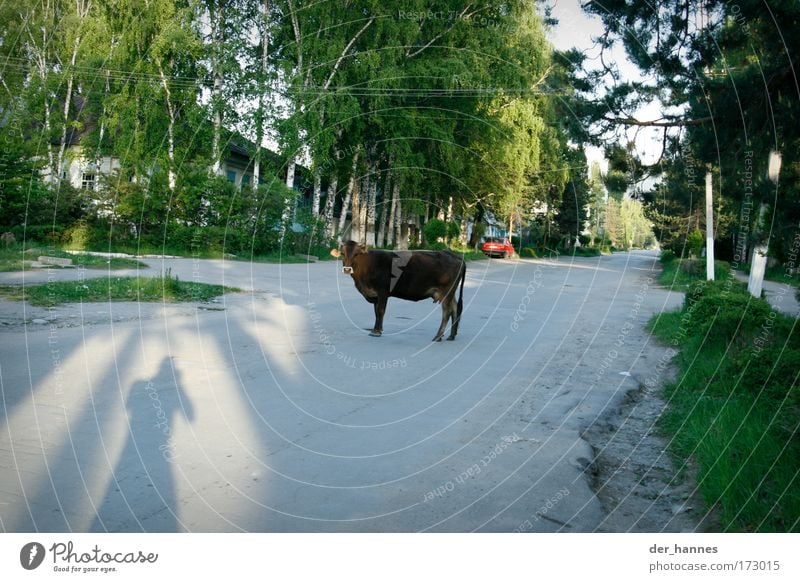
(709, 228)
(758, 265)
(288, 210)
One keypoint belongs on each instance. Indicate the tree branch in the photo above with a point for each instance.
(344, 53)
(663, 122)
(296, 28)
(461, 16)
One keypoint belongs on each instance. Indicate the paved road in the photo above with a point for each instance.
(273, 410)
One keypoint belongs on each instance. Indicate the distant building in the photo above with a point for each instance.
(85, 171)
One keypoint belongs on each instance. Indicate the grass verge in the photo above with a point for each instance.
(14, 258)
(735, 407)
(679, 274)
(149, 289)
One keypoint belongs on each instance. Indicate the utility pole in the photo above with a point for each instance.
(709, 227)
(758, 265)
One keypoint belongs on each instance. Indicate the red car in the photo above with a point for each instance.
(497, 246)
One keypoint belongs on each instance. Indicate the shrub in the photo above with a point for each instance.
(47, 234)
(79, 236)
(667, 256)
(434, 230)
(724, 308)
(695, 241)
(453, 230)
(529, 252)
(310, 238)
(733, 410)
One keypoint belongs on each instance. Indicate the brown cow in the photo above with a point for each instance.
(416, 275)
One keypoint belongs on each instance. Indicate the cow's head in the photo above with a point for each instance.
(348, 251)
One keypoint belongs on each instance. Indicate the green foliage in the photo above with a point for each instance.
(529, 252)
(713, 94)
(733, 408)
(679, 274)
(695, 241)
(453, 230)
(309, 238)
(666, 256)
(434, 230)
(585, 252)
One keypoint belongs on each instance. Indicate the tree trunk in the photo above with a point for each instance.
(348, 197)
(288, 209)
(385, 203)
(401, 227)
(262, 88)
(393, 216)
(216, 92)
(62, 146)
(362, 197)
(170, 130)
(317, 193)
(330, 203)
(479, 214)
(372, 194)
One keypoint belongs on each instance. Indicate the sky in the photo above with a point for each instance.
(576, 29)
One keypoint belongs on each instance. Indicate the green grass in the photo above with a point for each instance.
(97, 262)
(734, 408)
(470, 255)
(148, 289)
(679, 274)
(14, 258)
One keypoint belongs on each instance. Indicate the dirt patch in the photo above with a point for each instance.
(634, 476)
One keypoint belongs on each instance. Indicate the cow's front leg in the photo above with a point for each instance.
(380, 309)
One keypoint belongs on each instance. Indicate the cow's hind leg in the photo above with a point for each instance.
(453, 319)
(447, 313)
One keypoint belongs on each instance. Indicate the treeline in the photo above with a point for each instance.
(400, 115)
(723, 78)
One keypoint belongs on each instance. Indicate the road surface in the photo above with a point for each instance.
(273, 410)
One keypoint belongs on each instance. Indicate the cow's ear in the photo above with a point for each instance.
(335, 253)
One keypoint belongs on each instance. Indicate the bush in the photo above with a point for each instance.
(667, 256)
(311, 238)
(453, 230)
(433, 230)
(734, 408)
(78, 237)
(695, 241)
(586, 252)
(437, 246)
(529, 252)
(726, 308)
(44, 234)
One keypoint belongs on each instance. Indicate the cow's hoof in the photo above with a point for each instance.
(374, 333)
(451, 338)
(438, 338)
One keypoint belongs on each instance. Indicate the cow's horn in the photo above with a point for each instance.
(335, 253)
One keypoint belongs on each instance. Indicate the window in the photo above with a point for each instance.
(246, 180)
(87, 181)
(231, 176)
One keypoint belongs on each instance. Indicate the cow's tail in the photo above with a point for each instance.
(460, 307)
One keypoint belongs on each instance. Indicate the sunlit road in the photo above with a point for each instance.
(273, 410)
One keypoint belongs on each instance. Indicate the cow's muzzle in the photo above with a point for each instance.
(347, 270)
